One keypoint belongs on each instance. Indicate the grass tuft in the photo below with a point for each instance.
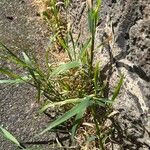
(75, 85)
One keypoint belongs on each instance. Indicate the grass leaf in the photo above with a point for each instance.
(65, 47)
(13, 57)
(17, 81)
(73, 44)
(96, 11)
(55, 104)
(65, 67)
(96, 76)
(77, 121)
(117, 89)
(5, 71)
(83, 55)
(27, 59)
(72, 112)
(9, 136)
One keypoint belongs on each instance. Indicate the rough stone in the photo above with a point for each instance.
(130, 49)
(128, 52)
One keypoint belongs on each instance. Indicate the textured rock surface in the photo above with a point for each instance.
(128, 24)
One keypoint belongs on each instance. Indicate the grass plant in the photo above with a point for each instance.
(75, 85)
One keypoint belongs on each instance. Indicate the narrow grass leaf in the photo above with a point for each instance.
(77, 121)
(5, 71)
(48, 65)
(100, 103)
(96, 76)
(72, 112)
(38, 92)
(13, 57)
(30, 65)
(117, 89)
(85, 47)
(78, 37)
(9, 136)
(18, 80)
(96, 11)
(65, 67)
(73, 44)
(90, 18)
(68, 101)
(27, 59)
(65, 86)
(83, 56)
(66, 48)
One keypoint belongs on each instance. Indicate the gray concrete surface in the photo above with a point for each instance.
(21, 27)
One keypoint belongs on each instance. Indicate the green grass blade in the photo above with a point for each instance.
(13, 56)
(65, 86)
(66, 3)
(16, 78)
(90, 19)
(117, 89)
(27, 59)
(66, 48)
(78, 37)
(73, 44)
(65, 67)
(68, 101)
(77, 121)
(17, 81)
(32, 70)
(9, 136)
(85, 47)
(32, 73)
(5, 71)
(72, 112)
(48, 65)
(83, 55)
(101, 101)
(96, 11)
(38, 92)
(96, 76)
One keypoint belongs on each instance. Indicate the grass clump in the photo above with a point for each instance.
(76, 85)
